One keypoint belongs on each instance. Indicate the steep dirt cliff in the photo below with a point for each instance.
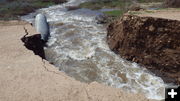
(150, 41)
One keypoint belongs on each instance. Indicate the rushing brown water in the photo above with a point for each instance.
(78, 47)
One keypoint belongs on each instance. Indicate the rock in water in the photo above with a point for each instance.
(42, 26)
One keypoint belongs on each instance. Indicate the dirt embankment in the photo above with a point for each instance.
(150, 41)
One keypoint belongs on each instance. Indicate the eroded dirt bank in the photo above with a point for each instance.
(150, 41)
(26, 77)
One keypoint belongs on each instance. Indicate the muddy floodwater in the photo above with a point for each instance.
(78, 47)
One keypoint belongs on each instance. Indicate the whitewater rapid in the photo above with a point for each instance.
(78, 47)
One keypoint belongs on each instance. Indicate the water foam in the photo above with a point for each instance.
(78, 47)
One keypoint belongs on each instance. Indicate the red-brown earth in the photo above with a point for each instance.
(151, 41)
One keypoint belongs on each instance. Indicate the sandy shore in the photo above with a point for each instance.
(26, 77)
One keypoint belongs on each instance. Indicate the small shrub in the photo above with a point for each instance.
(114, 13)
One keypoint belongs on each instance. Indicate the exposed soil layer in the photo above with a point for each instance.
(151, 42)
(35, 44)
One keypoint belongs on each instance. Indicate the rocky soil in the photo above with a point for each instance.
(150, 41)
